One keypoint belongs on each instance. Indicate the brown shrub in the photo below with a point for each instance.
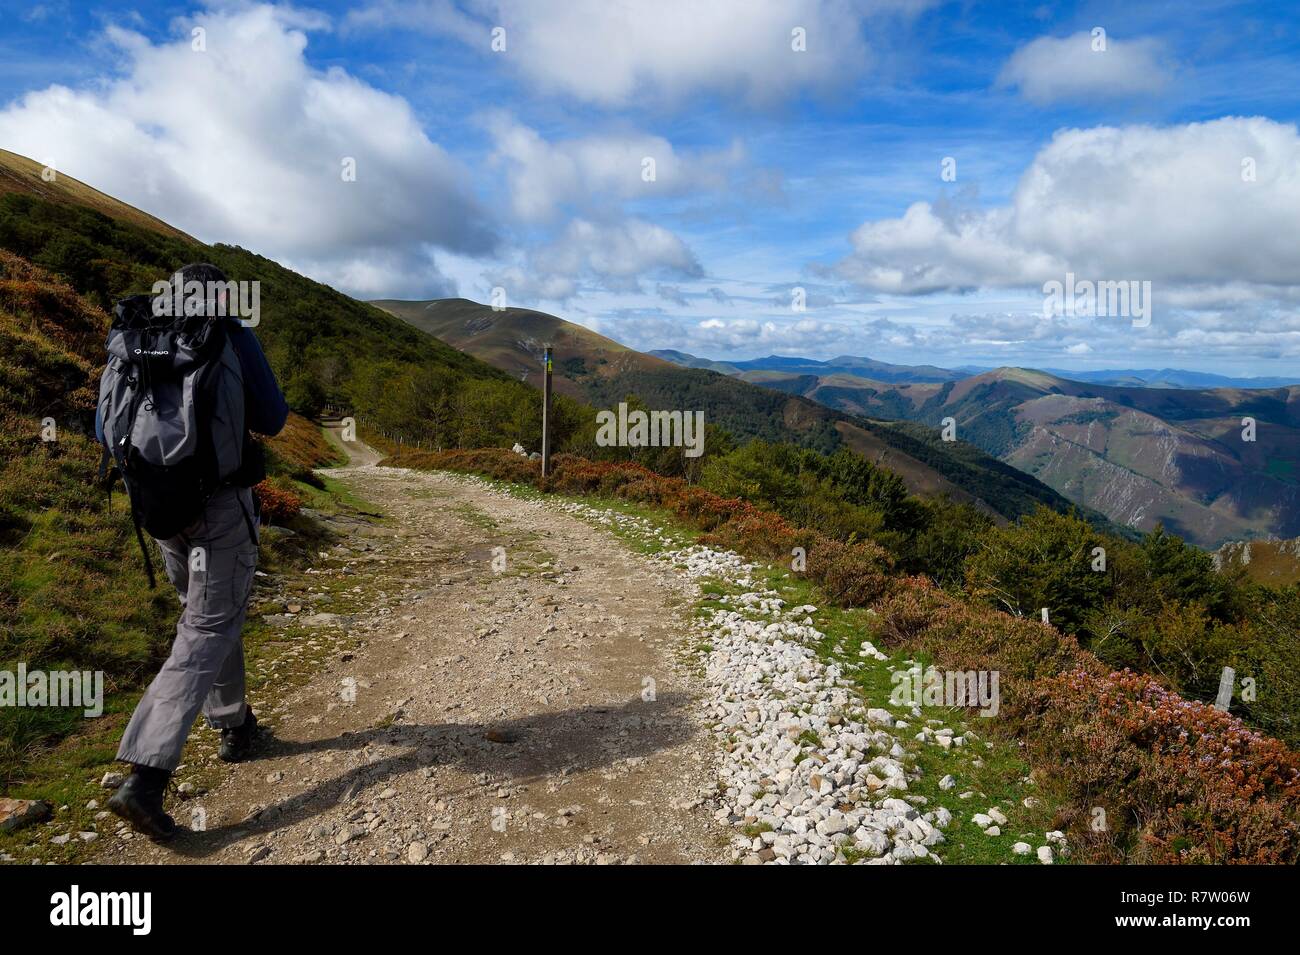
(855, 575)
(277, 506)
(1181, 782)
(497, 463)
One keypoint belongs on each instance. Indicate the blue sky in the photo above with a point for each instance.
(776, 169)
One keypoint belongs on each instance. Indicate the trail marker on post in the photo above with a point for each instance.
(546, 416)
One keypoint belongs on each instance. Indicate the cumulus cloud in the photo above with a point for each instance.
(613, 256)
(756, 335)
(1084, 66)
(543, 177)
(1170, 205)
(748, 336)
(613, 54)
(245, 142)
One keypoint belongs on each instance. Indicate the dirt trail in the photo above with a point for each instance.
(488, 714)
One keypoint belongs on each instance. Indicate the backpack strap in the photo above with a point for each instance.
(144, 550)
(104, 477)
(248, 520)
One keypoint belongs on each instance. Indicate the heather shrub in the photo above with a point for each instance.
(908, 610)
(496, 463)
(958, 635)
(701, 508)
(855, 574)
(276, 504)
(1180, 782)
(758, 534)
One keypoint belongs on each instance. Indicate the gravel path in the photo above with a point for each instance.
(536, 711)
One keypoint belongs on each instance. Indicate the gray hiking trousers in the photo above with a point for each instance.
(211, 565)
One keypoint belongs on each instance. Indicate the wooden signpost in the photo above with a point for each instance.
(546, 416)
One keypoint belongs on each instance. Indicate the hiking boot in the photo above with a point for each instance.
(237, 741)
(139, 801)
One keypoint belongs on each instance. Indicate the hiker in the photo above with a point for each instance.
(182, 389)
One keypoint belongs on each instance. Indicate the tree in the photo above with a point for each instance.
(1045, 560)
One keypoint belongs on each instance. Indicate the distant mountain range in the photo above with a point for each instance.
(884, 371)
(844, 365)
(1140, 454)
(1168, 378)
(601, 372)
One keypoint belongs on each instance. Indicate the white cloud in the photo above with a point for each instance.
(1167, 205)
(613, 256)
(543, 177)
(752, 336)
(614, 54)
(1074, 68)
(245, 143)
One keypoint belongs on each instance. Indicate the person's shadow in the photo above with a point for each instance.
(513, 751)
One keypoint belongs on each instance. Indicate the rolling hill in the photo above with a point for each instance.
(602, 372)
(1142, 456)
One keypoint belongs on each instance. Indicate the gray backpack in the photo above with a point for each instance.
(171, 402)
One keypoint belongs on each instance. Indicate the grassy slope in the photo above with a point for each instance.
(72, 595)
(21, 175)
(603, 372)
(1273, 562)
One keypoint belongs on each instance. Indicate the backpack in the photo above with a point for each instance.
(171, 402)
